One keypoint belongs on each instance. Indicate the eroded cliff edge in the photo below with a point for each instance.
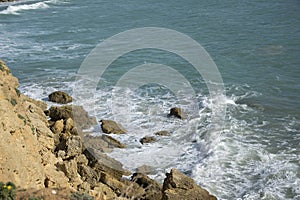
(38, 153)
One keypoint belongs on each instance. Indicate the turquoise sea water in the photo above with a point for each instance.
(255, 45)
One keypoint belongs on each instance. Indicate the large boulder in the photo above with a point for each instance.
(178, 186)
(177, 112)
(80, 116)
(110, 126)
(60, 97)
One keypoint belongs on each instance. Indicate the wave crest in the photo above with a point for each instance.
(15, 9)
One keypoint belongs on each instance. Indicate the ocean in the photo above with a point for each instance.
(249, 151)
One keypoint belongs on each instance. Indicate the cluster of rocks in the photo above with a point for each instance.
(112, 127)
(52, 152)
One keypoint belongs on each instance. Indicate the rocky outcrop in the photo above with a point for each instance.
(26, 140)
(60, 97)
(77, 113)
(178, 186)
(37, 154)
(110, 126)
(177, 112)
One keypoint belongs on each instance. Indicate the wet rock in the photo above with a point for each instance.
(60, 97)
(147, 139)
(110, 126)
(112, 142)
(162, 133)
(177, 112)
(80, 117)
(178, 186)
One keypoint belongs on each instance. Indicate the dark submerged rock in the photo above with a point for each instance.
(177, 112)
(147, 139)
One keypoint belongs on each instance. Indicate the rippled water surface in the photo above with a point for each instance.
(255, 46)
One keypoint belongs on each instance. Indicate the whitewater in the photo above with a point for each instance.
(255, 45)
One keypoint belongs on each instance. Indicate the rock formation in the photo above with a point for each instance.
(178, 186)
(26, 141)
(53, 157)
(60, 97)
(147, 139)
(177, 112)
(110, 126)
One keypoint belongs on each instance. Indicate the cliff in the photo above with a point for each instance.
(40, 153)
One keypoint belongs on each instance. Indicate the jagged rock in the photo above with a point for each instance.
(117, 186)
(96, 143)
(152, 190)
(80, 117)
(60, 97)
(81, 159)
(58, 126)
(69, 125)
(112, 142)
(177, 112)
(178, 186)
(26, 141)
(110, 126)
(74, 146)
(162, 133)
(147, 139)
(102, 191)
(69, 167)
(88, 175)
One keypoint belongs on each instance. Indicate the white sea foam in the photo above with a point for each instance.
(15, 9)
(232, 163)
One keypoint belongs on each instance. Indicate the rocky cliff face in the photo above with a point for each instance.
(41, 154)
(26, 141)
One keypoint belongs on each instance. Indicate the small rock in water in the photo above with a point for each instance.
(60, 97)
(147, 139)
(110, 126)
(162, 133)
(177, 112)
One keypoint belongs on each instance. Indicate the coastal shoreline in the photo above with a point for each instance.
(48, 155)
